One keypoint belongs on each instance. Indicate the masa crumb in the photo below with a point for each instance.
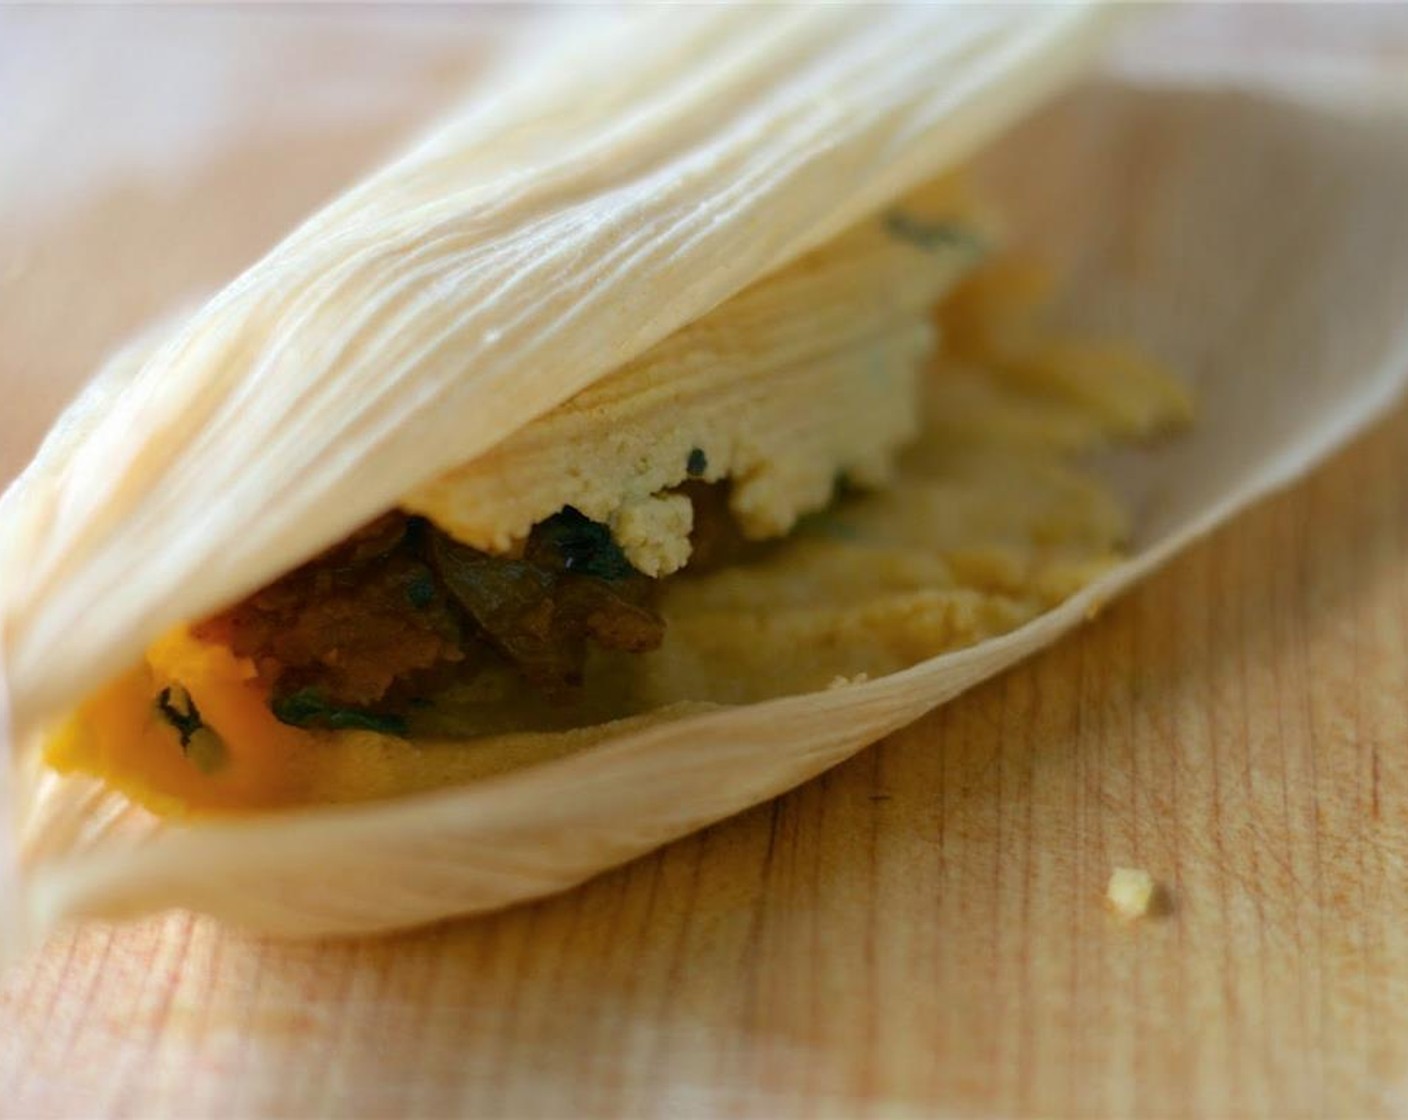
(1132, 892)
(842, 681)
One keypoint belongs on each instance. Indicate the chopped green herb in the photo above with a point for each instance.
(420, 592)
(207, 751)
(697, 463)
(933, 235)
(308, 708)
(180, 711)
(198, 743)
(583, 546)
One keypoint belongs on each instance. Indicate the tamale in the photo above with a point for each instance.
(738, 264)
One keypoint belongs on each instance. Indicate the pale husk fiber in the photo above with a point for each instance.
(591, 198)
(1218, 226)
(534, 242)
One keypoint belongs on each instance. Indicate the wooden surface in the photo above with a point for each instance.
(920, 931)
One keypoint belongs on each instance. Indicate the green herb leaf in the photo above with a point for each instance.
(420, 591)
(308, 708)
(199, 743)
(930, 236)
(583, 546)
(207, 752)
(179, 710)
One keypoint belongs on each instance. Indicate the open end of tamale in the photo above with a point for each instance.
(859, 462)
(369, 634)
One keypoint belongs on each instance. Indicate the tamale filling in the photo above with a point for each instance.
(400, 610)
(669, 538)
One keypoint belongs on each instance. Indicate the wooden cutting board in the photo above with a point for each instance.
(920, 931)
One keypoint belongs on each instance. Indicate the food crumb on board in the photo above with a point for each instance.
(1132, 893)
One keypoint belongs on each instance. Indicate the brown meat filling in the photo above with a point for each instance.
(399, 611)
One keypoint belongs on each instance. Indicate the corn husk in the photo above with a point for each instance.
(1278, 392)
(541, 238)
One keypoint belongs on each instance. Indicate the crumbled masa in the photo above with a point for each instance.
(1132, 892)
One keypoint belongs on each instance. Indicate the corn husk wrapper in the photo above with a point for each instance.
(1219, 228)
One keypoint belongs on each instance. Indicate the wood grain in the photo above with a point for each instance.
(921, 931)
